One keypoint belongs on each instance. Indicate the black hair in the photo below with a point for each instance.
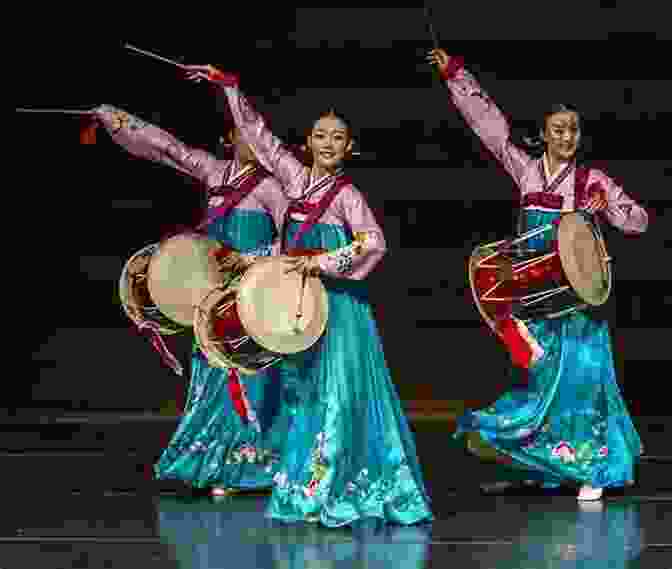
(331, 112)
(559, 108)
(536, 142)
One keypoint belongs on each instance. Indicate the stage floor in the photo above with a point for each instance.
(129, 530)
(50, 519)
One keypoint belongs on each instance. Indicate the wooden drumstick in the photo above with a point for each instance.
(155, 56)
(299, 311)
(432, 31)
(430, 27)
(61, 111)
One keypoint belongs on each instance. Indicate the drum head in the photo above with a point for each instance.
(584, 258)
(181, 273)
(268, 301)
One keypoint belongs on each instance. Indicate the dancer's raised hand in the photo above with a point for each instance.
(439, 58)
(198, 73)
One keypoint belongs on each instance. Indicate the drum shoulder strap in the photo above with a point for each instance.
(580, 182)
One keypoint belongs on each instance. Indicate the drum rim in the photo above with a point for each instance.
(323, 300)
(568, 260)
(216, 358)
(472, 270)
(154, 259)
(124, 294)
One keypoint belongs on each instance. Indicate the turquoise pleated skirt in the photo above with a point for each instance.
(212, 445)
(350, 453)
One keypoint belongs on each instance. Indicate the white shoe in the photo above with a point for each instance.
(594, 506)
(588, 493)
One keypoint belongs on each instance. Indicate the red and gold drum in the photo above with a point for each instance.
(260, 315)
(509, 278)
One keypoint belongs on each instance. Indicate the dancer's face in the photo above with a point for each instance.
(562, 135)
(242, 150)
(329, 141)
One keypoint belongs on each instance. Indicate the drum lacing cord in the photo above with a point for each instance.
(235, 344)
(540, 296)
(160, 346)
(154, 330)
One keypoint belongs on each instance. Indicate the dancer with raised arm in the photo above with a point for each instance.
(350, 453)
(231, 431)
(569, 424)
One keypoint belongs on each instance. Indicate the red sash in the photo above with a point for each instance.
(543, 199)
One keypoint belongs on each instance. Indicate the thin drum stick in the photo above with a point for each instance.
(62, 111)
(299, 311)
(432, 32)
(150, 54)
(181, 66)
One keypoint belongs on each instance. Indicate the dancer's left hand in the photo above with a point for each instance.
(597, 202)
(303, 265)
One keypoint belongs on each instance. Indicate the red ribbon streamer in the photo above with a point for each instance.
(236, 393)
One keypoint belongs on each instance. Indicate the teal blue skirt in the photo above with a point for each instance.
(350, 453)
(212, 445)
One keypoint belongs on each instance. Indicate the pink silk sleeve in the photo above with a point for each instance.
(487, 121)
(357, 260)
(268, 148)
(147, 141)
(622, 212)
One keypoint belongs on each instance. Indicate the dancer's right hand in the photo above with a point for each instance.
(439, 58)
(114, 118)
(119, 120)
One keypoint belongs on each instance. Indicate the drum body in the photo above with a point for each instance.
(165, 281)
(261, 315)
(509, 278)
(135, 298)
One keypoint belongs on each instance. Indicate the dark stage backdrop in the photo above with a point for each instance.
(435, 192)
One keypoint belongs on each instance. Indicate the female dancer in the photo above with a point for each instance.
(350, 453)
(570, 422)
(230, 434)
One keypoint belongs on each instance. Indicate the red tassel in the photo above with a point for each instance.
(455, 63)
(519, 349)
(224, 78)
(236, 393)
(87, 131)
